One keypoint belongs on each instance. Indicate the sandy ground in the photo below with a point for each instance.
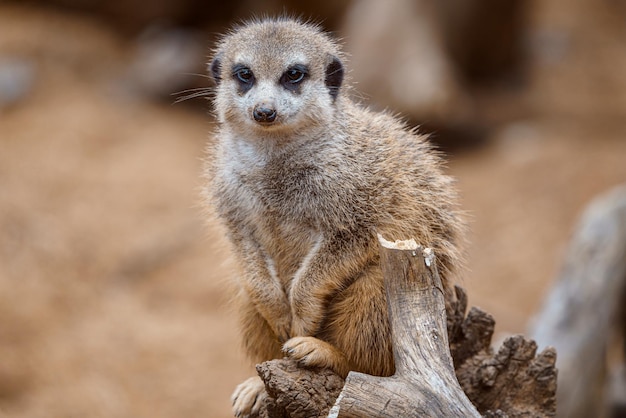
(113, 285)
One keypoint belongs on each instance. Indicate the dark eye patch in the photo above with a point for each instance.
(294, 76)
(244, 76)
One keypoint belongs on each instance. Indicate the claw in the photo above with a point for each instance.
(248, 397)
(313, 352)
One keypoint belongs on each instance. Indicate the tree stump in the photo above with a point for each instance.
(430, 354)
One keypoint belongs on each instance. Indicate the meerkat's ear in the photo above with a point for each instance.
(215, 67)
(334, 76)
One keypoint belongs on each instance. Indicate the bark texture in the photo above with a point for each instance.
(443, 367)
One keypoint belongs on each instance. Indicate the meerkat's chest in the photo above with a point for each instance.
(278, 205)
(286, 244)
(290, 188)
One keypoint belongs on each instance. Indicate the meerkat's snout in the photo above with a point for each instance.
(264, 113)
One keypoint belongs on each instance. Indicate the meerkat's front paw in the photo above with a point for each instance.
(313, 352)
(248, 398)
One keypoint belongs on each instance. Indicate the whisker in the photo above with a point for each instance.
(185, 98)
(192, 94)
(200, 75)
(193, 89)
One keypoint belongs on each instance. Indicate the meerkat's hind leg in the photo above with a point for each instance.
(313, 352)
(248, 398)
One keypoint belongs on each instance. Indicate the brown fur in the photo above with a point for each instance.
(304, 197)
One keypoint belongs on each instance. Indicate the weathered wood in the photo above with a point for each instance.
(424, 383)
(579, 313)
(512, 382)
(285, 381)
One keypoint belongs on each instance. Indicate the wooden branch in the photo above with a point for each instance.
(297, 393)
(512, 382)
(580, 312)
(424, 383)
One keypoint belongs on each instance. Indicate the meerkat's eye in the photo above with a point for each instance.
(243, 74)
(293, 77)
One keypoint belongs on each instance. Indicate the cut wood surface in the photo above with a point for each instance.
(581, 311)
(429, 355)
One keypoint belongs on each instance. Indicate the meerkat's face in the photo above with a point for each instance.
(276, 76)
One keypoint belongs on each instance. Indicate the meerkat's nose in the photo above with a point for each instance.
(264, 113)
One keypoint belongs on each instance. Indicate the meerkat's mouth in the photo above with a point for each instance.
(273, 123)
(267, 124)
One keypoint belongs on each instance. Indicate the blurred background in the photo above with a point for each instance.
(114, 284)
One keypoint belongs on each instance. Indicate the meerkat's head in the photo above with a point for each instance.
(276, 76)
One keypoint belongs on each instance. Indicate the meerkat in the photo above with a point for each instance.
(304, 178)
